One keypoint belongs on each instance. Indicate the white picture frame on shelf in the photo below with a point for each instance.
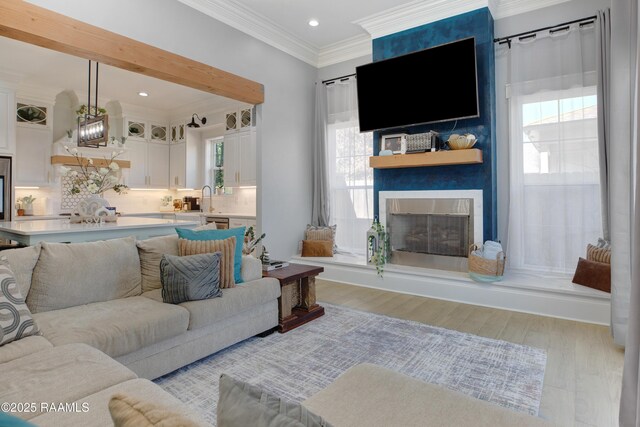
(396, 143)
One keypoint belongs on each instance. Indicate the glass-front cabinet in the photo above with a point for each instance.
(136, 129)
(158, 133)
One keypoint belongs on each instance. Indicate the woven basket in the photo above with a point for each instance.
(483, 269)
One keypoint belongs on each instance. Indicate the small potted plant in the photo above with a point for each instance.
(26, 203)
(250, 241)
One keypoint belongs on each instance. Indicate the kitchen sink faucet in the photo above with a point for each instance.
(210, 198)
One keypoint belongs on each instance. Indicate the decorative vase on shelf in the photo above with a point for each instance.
(28, 209)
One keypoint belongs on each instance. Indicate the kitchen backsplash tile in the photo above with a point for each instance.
(48, 200)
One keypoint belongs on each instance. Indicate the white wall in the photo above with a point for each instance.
(342, 69)
(284, 120)
(540, 18)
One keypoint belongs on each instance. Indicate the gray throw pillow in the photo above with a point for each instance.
(241, 404)
(190, 278)
(15, 318)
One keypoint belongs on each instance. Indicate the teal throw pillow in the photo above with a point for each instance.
(7, 420)
(238, 233)
(190, 278)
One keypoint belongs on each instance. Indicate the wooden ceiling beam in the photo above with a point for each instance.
(32, 24)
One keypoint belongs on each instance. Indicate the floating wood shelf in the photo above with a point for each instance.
(438, 158)
(100, 163)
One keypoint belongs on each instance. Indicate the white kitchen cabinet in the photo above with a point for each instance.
(137, 152)
(242, 222)
(7, 120)
(136, 129)
(240, 119)
(33, 157)
(178, 165)
(186, 166)
(177, 133)
(158, 165)
(149, 164)
(33, 142)
(240, 158)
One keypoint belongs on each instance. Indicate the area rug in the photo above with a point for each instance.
(301, 362)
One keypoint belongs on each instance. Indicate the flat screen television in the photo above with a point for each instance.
(431, 85)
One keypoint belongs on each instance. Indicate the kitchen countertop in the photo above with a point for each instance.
(37, 217)
(61, 230)
(143, 214)
(192, 213)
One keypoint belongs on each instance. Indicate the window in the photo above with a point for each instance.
(555, 188)
(351, 184)
(217, 162)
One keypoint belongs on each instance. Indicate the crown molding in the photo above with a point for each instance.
(34, 93)
(246, 20)
(399, 18)
(515, 7)
(414, 14)
(351, 48)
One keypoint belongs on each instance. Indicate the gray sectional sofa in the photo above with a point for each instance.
(104, 328)
(105, 331)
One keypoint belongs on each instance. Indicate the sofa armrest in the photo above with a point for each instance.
(251, 268)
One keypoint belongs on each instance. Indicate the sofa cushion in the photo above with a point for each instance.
(22, 262)
(251, 268)
(116, 327)
(98, 415)
(226, 248)
(234, 300)
(15, 318)
(60, 374)
(190, 278)
(68, 275)
(238, 233)
(392, 398)
(150, 252)
(23, 347)
(241, 404)
(129, 411)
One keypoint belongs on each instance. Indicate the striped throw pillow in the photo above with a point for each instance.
(314, 232)
(597, 254)
(190, 278)
(227, 247)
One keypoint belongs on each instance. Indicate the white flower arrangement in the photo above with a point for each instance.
(93, 179)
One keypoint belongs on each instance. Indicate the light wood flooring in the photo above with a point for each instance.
(584, 368)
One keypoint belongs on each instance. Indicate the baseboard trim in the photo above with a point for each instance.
(582, 305)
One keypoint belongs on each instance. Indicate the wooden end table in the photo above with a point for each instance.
(297, 303)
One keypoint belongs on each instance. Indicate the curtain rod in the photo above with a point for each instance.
(324, 82)
(531, 33)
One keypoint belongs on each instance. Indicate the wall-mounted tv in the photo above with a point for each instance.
(431, 85)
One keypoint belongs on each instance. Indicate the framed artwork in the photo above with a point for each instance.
(396, 143)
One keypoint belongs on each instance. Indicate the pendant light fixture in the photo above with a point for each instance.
(193, 123)
(93, 128)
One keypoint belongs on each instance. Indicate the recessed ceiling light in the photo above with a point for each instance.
(314, 22)
(143, 94)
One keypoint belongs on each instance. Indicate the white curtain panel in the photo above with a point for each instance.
(320, 210)
(623, 66)
(626, 72)
(554, 206)
(349, 174)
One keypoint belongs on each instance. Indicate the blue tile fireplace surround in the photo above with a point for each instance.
(478, 24)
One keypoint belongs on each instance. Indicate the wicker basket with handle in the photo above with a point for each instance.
(484, 269)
